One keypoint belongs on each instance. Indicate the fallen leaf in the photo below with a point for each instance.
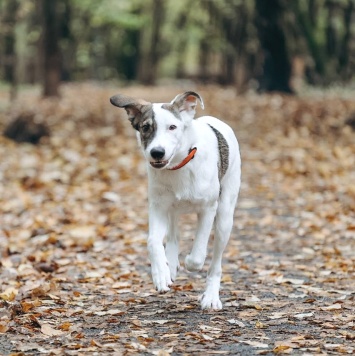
(65, 326)
(303, 315)
(121, 285)
(168, 336)
(46, 329)
(160, 322)
(282, 349)
(115, 312)
(9, 294)
(3, 328)
(163, 352)
(256, 344)
(27, 306)
(236, 322)
(276, 315)
(260, 325)
(335, 306)
(95, 343)
(136, 322)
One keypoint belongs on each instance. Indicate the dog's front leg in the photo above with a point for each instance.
(172, 246)
(195, 260)
(158, 226)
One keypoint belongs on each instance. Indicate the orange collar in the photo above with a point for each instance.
(186, 160)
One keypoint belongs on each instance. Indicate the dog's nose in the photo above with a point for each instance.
(157, 152)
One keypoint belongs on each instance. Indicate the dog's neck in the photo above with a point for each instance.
(187, 144)
(186, 160)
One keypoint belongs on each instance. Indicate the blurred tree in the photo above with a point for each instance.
(233, 22)
(152, 52)
(308, 22)
(232, 42)
(50, 48)
(10, 8)
(67, 42)
(326, 26)
(276, 73)
(346, 64)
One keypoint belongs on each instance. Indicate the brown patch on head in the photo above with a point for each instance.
(174, 109)
(135, 108)
(147, 127)
(140, 114)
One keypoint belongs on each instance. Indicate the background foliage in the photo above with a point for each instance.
(245, 43)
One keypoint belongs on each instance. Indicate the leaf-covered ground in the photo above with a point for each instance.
(73, 223)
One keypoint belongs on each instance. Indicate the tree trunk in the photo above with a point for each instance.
(203, 61)
(181, 47)
(50, 51)
(317, 51)
(68, 48)
(9, 38)
(277, 66)
(331, 33)
(345, 51)
(149, 69)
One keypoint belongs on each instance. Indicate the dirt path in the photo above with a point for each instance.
(74, 269)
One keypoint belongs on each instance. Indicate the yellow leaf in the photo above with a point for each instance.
(282, 349)
(9, 295)
(65, 326)
(95, 343)
(3, 328)
(260, 325)
(27, 306)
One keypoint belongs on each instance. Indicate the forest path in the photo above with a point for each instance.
(73, 223)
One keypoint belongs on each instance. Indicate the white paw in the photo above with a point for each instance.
(211, 301)
(174, 267)
(161, 277)
(173, 260)
(193, 264)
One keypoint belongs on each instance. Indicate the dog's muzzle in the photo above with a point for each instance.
(159, 164)
(158, 153)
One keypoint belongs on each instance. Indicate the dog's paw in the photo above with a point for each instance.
(210, 301)
(174, 268)
(173, 260)
(161, 277)
(193, 264)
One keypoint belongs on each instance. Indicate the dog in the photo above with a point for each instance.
(193, 166)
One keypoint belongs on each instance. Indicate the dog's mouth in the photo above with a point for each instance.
(159, 164)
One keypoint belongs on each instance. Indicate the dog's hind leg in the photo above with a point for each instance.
(172, 246)
(223, 228)
(195, 260)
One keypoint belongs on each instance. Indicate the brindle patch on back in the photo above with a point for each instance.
(223, 150)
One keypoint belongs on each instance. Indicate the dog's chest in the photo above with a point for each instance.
(185, 192)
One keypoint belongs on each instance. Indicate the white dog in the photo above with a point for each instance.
(193, 166)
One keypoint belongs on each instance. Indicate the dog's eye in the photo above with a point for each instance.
(172, 127)
(145, 128)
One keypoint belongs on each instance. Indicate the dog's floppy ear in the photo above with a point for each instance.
(134, 107)
(187, 102)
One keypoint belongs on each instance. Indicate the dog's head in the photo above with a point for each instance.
(160, 126)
